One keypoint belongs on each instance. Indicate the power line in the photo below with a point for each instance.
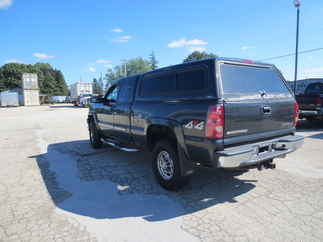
(288, 55)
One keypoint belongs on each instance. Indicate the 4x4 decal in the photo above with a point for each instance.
(195, 124)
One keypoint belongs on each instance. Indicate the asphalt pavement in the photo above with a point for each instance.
(55, 187)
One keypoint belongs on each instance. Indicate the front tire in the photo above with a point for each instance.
(166, 166)
(95, 137)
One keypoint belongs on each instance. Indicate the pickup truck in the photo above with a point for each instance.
(217, 113)
(311, 102)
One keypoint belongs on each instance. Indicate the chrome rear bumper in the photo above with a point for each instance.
(251, 154)
(311, 113)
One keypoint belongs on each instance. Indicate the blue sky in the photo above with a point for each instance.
(85, 37)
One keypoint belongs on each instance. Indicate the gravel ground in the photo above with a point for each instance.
(55, 187)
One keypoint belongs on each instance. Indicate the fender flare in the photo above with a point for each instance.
(187, 167)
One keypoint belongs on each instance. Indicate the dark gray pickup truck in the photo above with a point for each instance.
(220, 113)
(311, 102)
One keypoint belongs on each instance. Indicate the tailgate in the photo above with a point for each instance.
(256, 101)
(309, 102)
(312, 98)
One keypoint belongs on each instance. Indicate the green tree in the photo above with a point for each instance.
(137, 65)
(111, 75)
(197, 55)
(127, 68)
(11, 75)
(97, 86)
(153, 61)
(62, 89)
(51, 81)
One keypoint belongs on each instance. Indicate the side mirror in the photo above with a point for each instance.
(97, 100)
(109, 102)
(100, 100)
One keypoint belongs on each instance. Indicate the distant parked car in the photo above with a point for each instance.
(85, 100)
(58, 99)
(68, 99)
(311, 102)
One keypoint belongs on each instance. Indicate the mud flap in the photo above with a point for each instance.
(187, 166)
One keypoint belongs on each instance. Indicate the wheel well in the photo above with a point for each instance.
(156, 133)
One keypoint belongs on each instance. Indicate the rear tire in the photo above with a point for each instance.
(166, 166)
(95, 137)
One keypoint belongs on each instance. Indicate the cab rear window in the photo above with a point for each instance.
(251, 81)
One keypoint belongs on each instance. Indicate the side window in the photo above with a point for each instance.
(191, 80)
(127, 90)
(113, 94)
(158, 84)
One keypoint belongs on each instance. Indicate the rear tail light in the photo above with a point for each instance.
(318, 101)
(215, 122)
(296, 113)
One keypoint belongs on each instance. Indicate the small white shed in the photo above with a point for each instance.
(9, 99)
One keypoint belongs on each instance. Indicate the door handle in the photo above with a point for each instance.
(262, 93)
(266, 109)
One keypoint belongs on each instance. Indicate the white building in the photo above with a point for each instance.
(81, 88)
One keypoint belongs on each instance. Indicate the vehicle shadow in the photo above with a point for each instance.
(315, 126)
(304, 125)
(63, 106)
(109, 183)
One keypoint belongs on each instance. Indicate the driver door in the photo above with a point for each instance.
(105, 115)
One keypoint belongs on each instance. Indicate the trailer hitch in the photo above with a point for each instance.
(266, 165)
(270, 165)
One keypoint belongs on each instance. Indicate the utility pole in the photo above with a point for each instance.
(125, 69)
(101, 84)
(125, 74)
(297, 5)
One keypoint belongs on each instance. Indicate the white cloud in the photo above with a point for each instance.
(103, 61)
(92, 69)
(184, 42)
(4, 4)
(197, 48)
(13, 61)
(246, 47)
(117, 30)
(122, 39)
(43, 56)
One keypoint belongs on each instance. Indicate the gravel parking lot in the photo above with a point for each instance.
(55, 187)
